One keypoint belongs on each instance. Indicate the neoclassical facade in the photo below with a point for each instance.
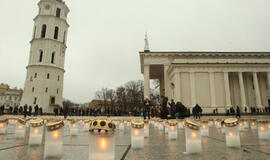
(211, 79)
(10, 96)
(45, 71)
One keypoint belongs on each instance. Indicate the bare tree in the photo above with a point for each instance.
(111, 95)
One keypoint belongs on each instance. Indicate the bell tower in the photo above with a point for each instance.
(45, 71)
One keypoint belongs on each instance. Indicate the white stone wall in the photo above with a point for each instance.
(37, 85)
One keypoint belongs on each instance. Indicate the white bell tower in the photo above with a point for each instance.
(45, 71)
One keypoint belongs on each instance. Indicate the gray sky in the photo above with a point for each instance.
(105, 36)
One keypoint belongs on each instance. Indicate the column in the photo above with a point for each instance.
(192, 88)
(166, 81)
(257, 90)
(212, 89)
(177, 89)
(227, 89)
(268, 80)
(242, 90)
(146, 81)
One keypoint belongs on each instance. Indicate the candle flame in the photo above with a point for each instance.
(194, 135)
(103, 143)
(74, 125)
(35, 131)
(136, 132)
(269, 126)
(253, 123)
(20, 127)
(86, 124)
(204, 126)
(172, 128)
(55, 134)
(230, 134)
(262, 128)
(1, 125)
(240, 124)
(245, 123)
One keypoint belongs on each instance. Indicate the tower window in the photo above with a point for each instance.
(33, 89)
(35, 75)
(43, 31)
(35, 100)
(52, 100)
(57, 91)
(40, 55)
(64, 38)
(52, 58)
(58, 78)
(56, 29)
(48, 75)
(46, 90)
(58, 12)
(31, 78)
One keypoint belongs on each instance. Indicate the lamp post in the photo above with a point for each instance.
(36, 132)
(54, 139)
(102, 140)
(232, 132)
(193, 137)
(137, 134)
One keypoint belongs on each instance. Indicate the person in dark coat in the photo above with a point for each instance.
(36, 110)
(238, 112)
(21, 110)
(40, 111)
(30, 110)
(164, 110)
(2, 108)
(25, 110)
(146, 110)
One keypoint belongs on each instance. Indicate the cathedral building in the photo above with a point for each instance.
(211, 79)
(45, 71)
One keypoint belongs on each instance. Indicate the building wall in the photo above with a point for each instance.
(185, 89)
(220, 89)
(202, 88)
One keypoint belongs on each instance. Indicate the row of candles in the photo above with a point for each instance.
(102, 144)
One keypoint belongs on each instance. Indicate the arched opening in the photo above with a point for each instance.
(43, 31)
(56, 29)
(52, 58)
(52, 100)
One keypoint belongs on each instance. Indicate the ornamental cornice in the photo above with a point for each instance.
(48, 39)
(44, 65)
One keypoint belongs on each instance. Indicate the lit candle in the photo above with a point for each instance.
(193, 137)
(102, 142)
(54, 139)
(3, 126)
(137, 134)
(122, 126)
(20, 129)
(74, 127)
(36, 132)
(263, 129)
(232, 132)
(204, 128)
(253, 124)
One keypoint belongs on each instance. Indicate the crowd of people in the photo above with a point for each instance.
(25, 110)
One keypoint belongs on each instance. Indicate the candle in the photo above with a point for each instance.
(20, 129)
(102, 142)
(232, 132)
(193, 137)
(137, 134)
(54, 140)
(172, 133)
(122, 126)
(3, 126)
(74, 129)
(146, 130)
(204, 129)
(36, 132)
(263, 130)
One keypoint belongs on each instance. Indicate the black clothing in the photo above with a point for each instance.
(147, 105)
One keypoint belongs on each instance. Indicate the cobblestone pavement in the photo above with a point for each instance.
(157, 147)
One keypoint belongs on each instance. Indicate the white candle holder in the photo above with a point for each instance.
(253, 124)
(263, 129)
(54, 139)
(223, 128)
(204, 128)
(218, 124)
(3, 126)
(180, 124)
(137, 134)
(74, 128)
(210, 123)
(241, 126)
(245, 124)
(232, 132)
(121, 126)
(172, 129)
(36, 132)
(102, 140)
(20, 128)
(12, 122)
(86, 125)
(146, 129)
(193, 137)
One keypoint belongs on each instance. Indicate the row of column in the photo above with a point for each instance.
(177, 86)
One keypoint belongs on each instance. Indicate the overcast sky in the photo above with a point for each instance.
(105, 36)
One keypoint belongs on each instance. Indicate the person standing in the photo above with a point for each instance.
(238, 112)
(147, 105)
(25, 110)
(30, 110)
(36, 110)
